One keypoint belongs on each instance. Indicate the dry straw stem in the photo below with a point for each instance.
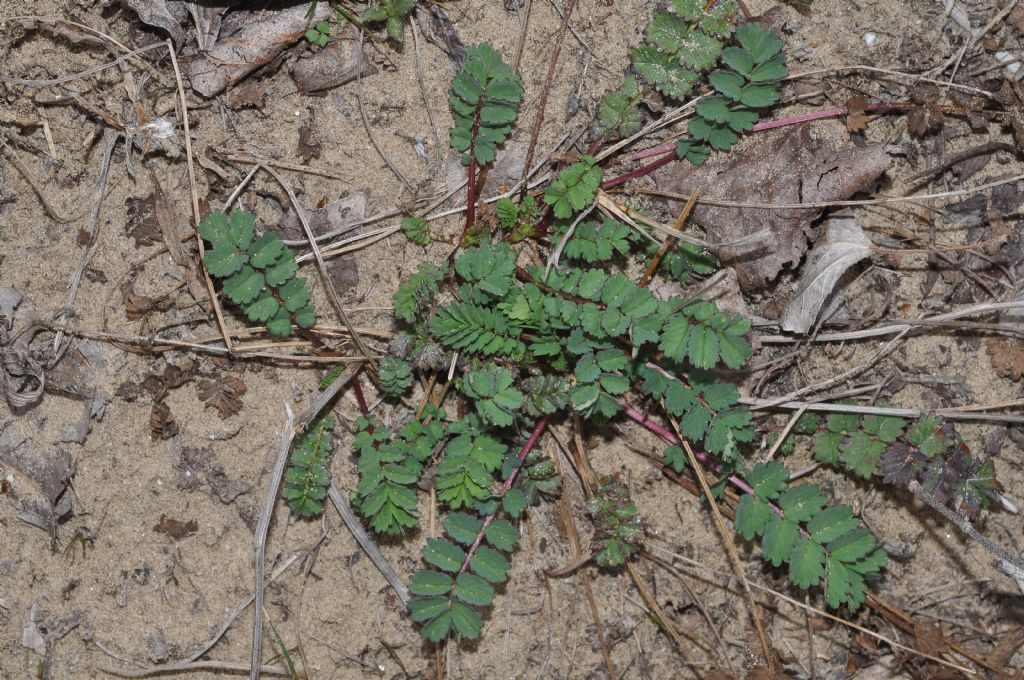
(196, 217)
(730, 547)
(324, 275)
(898, 326)
(577, 551)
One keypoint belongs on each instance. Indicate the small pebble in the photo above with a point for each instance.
(870, 38)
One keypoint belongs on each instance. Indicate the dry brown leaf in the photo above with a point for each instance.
(248, 41)
(340, 62)
(175, 528)
(845, 244)
(856, 116)
(1007, 355)
(784, 166)
(224, 393)
(162, 424)
(929, 638)
(173, 231)
(142, 224)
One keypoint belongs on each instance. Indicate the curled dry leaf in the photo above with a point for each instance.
(224, 393)
(845, 244)
(162, 424)
(856, 113)
(787, 166)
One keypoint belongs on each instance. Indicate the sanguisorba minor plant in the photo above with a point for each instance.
(528, 345)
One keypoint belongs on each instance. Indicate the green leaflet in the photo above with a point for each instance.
(306, 478)
(392, 13)
(575, 188)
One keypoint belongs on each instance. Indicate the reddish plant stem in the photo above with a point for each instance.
(639, 172)
(833, 112)
(539, 119)
(527, 447)
(671, 438)
(357, 388)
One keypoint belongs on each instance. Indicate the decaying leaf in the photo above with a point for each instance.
(248, 41)
(172, 229)
(224, 393)
(845, 244)
(927, 116)
(339, 215)
(157, 13)
(142, 224)
(137, 306)
(162, 424)
(158, 384)
(788, 166)
(175, 528)
(340, 62)
(37, 478)
(1007, 356)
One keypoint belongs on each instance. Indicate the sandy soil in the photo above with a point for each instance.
(108, 586)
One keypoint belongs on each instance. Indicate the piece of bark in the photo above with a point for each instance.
(786, 166)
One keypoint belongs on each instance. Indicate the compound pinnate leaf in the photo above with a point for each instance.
(752, 516)
(768, 479)
(802, 502)
(438, 629)
(514, 502)
(240, 227)
(762, 44)
(426, 608)
(852, 545)
(806, 563)
(244, 286)
(831, 523)
(264, 308)
(738, 59)
(214, 228)
(467, 622)
(265, 250)
(223, 260)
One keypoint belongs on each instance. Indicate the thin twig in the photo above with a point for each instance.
(224, 666)
(109, 139)
(426, 100)
(729, 546)
(369, 132)
(11, 155)
(367, 544)
(889, 200)
(670, 240)
(324, 274)
(81, 74)
(964, 525)
(899, 326)
(196, 217)
(705, 570)
(539, 118)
